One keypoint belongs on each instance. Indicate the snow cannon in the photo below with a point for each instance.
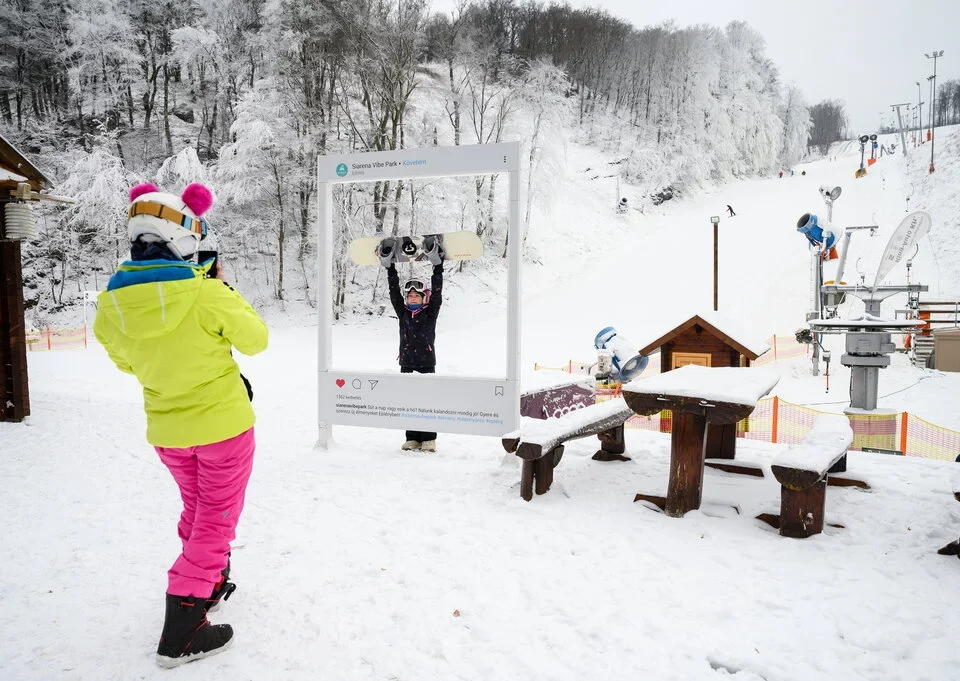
(819, 232)
(627, 362)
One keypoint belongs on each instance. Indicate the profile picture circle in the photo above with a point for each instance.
(342, 169)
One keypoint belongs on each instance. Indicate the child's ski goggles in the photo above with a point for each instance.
(414, 285)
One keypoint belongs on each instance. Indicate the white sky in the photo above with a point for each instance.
(869, 53)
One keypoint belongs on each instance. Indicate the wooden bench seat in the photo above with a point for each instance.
(540, 441)
(802, 473)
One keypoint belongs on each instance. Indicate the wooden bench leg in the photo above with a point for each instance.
(801, 511)
(543, 469)
(526, 481)
(612, 445)
(541, 475)
(537, 474)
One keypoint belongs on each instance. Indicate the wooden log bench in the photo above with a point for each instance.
(802, 472)
(540, 442)
(953, 548)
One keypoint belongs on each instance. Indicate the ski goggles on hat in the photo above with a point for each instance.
(158, 210)
(414, 285)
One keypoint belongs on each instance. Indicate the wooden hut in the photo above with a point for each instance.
(705, 339)
(15, 170)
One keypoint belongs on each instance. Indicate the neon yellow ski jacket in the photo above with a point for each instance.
(173, 329)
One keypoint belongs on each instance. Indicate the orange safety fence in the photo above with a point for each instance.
(781, 347)
(56, 339)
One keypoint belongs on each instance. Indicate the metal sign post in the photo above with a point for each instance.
(715, 220)
(452, 404)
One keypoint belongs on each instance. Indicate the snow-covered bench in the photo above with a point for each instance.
(540, 442)
(802, 474)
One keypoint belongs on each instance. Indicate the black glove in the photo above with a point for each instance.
(387, 251)
(433, 250)
(247, 385)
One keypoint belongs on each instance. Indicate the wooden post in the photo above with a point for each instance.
(14, 390)
(715, 265)
(775, 420)
(685, 486)
(801, 511)
(903, 432)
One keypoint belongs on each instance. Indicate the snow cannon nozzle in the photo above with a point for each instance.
(830, 194)
(627, 362)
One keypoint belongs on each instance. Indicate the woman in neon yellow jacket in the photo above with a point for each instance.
(164, 321)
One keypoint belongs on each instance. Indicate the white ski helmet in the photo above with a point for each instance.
(169, 219)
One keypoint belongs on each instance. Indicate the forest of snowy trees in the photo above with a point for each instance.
(246, 94)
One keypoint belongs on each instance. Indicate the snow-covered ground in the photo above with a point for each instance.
(364, 562)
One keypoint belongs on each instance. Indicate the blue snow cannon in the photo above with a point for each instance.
(813, 228)
(627, 361)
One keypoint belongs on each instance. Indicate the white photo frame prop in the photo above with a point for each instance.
(449, 404)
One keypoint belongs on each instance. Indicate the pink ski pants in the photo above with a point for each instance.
(212, 480)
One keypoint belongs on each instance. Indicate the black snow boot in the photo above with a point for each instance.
(187, 635)
(222, 590)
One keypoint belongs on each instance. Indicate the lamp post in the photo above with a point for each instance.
(933, 101)
(715, 220)
(919, 115)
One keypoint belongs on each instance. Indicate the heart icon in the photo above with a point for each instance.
(340, 382)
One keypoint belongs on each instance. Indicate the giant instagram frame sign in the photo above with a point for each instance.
(450, 404)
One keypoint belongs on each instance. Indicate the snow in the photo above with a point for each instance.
(830, 436)
(363, 562)
(10, 176)
(866, 322)
(737, 385)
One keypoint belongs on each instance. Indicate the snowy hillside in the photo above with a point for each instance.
(364, 562)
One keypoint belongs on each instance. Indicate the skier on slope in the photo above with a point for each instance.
(163, 320)
(730, 210)
(417, 307)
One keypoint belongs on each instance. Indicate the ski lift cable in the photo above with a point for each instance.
(912, 385)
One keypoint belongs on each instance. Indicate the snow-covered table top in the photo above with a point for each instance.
(736, 385)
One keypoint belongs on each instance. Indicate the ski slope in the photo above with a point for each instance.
(367, 563)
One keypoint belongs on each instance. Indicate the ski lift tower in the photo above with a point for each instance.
(868, 339)
(821, 235)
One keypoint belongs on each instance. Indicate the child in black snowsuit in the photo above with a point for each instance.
(417, 307)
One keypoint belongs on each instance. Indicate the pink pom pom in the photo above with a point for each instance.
(142, 189)
(198, 198)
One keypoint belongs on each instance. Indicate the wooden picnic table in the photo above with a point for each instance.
(700, 398)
